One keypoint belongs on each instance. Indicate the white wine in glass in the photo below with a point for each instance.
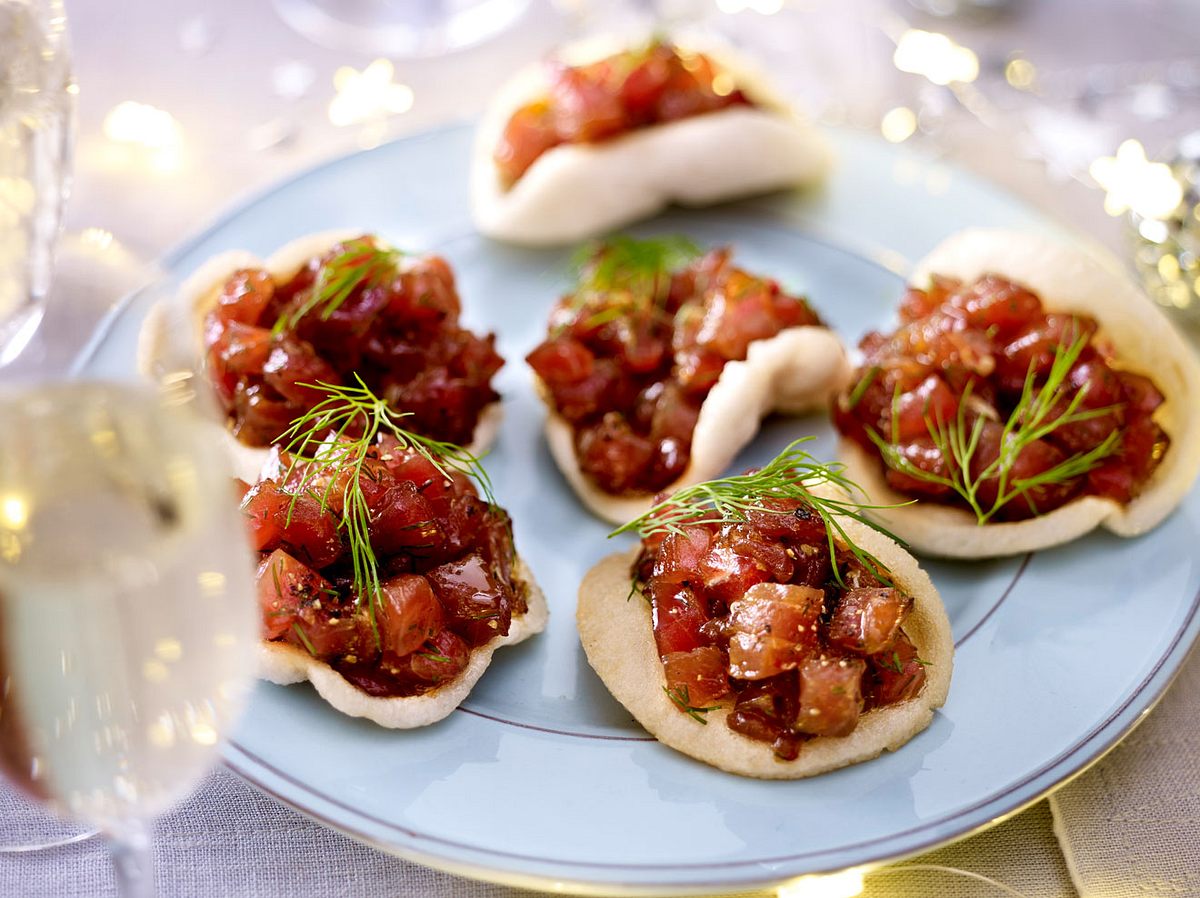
(128, 619)
(36, 118)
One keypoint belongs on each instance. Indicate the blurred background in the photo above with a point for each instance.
(186, 107)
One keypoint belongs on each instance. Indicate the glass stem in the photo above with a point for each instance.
(129, 847)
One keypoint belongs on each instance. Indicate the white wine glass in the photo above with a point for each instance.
(128, 619)
(401, 28)
(36, 120)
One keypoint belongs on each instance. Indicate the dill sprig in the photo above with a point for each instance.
(433, 655)
(793, 474)
(683, 702)
(361, 261)
(304, 639)
(641, 267)
(1038, 413)
(329, 443)
(864, 383)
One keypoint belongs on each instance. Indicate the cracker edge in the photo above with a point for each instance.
(617, 637)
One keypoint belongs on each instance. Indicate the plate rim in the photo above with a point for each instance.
(1092, 747)
(598, 878)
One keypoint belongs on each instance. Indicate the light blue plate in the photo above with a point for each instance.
(541, 779)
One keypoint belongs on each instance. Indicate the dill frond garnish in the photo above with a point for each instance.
(1038, 413)
(641, 267)
(861, 387)
(328, 445)
(793, 474)
(361, 262)
(304, 639)
(683, 702)
(433, 655)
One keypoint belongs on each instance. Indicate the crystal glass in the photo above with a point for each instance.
(128, 619)
(36, 111)
(400, 27)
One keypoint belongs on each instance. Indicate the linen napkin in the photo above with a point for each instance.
(231, 840)
(1130, 826)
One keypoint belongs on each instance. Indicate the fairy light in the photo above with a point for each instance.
(168, 649)
(723, 84)
(212, 583)
(161, 733)
(1132, 182)
(762, 7)
(96, 238)
(17, 198)
(154, 671)
(907, 868)
(154, 133)
(1169, 268)
(143, 125)
(1020, 73)
(936, 57)
(203, 733)
(1154, 230)
(369, 95)
(14, 511)
(898, 124)
(845, 884)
